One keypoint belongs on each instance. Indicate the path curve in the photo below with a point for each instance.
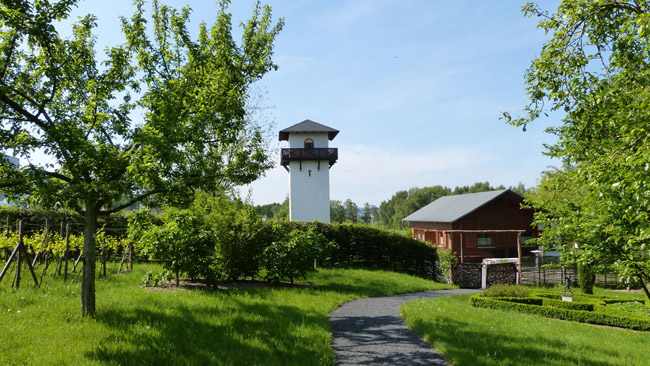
(371, 332)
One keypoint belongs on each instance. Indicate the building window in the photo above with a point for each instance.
(309, 144)
(442, 239)
(483, 240)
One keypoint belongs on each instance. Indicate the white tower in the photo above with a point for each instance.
(308, 161)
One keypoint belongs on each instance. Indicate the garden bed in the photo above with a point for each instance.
(591, 309)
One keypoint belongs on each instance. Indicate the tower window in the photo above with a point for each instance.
(309, 144)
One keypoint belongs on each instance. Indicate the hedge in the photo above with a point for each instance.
(564, 314)
(369, 247)
(569, 305)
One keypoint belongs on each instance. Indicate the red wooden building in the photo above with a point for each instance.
(476, 225)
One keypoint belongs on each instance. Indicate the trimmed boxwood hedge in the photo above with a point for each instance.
(569, 305)
(365, 246)
(562, 313)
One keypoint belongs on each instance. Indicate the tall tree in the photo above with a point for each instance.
(595, 69)
(337, 211)
(56, 97)
(351, 211)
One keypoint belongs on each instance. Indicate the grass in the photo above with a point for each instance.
(263, 326)
(475, 336)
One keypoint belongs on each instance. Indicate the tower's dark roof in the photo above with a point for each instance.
(308, 126)
(452, 208)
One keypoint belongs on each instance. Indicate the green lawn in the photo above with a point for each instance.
(279, 326)
(475, 336)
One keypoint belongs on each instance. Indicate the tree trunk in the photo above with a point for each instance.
(645, 288)
(88, 281)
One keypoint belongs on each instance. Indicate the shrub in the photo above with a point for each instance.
(446, 262)
(365, 246)
(502, 290)
(293, 255)
(184, 243)
(239, 238)
(569, 305)
(634, 308)
(149, 280)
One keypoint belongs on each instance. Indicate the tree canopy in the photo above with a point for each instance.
(594, 69)
(57, 98)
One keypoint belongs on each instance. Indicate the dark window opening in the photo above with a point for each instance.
(309, 144)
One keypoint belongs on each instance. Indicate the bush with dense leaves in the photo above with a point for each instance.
(184, 243)
(239, 238)
(293, 254)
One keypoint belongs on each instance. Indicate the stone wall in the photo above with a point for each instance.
(503, 273)
(468, 275)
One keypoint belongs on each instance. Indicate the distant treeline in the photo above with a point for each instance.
(404, 203)
(391, 212)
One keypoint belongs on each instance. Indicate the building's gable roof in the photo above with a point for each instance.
(308, 126)
(452, 208)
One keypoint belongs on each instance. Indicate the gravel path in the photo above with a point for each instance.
(371, 332)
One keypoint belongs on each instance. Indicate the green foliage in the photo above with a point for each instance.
(36, 216)
(447, 262)
(184, 243)
(562, 313)
(592, 70)
(160, 279)
(404, 203)
(501, 290)
(584, 308)
(57, 97)
(275, 211)
(586, 278)
(293, 253)
(571, 305)
(238, 235)
(365, 246)
(341, 212)
(634, 308)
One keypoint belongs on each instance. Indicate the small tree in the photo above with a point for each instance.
(293, 253)
(184, 244)
(238, 233)
(592, 70)
(56, 97)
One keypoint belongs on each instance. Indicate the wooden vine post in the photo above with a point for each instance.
(19, 252)
(58, 269)
(65, 252)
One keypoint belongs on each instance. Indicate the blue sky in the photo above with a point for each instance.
(415, 87)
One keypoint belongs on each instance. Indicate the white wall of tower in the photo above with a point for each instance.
(309, 193)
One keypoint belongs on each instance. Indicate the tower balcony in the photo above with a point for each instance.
(328, 154)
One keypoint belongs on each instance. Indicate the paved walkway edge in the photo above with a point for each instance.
(371, 332)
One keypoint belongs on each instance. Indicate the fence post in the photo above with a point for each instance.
(65, 253)
(19, 228)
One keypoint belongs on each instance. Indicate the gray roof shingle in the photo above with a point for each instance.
(308, 126)
(452, 208)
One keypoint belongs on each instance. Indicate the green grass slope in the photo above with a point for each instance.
(136, 326)
(476, 336)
